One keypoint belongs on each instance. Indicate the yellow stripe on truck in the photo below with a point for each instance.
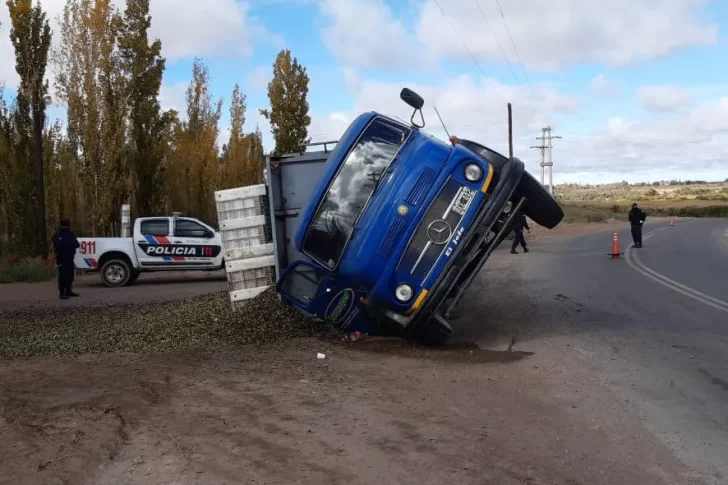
(418, 301)
(488, 179)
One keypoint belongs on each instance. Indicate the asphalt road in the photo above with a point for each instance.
(654, 322)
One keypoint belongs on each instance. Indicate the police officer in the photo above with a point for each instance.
(65, 244)
(636, 218)
(518, 224)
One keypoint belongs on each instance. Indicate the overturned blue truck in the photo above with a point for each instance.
(382, 234)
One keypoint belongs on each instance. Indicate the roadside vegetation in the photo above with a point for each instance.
(117, 144)
(15, 268)
(602, 203)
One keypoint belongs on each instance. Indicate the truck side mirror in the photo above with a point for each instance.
(412, 98)
(415, 101)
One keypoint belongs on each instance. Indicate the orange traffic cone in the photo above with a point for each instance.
(615, 254)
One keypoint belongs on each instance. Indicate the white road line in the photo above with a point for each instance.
(635, 263)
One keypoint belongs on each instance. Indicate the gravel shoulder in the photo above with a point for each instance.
(514, 401)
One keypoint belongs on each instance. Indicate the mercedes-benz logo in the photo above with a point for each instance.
(439, 232)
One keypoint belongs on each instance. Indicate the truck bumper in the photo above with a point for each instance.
(471, 254)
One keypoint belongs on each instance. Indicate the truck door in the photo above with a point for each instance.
(194, 244)
(150, 242)
(314, 291)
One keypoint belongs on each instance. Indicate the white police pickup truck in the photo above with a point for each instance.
(157, 244)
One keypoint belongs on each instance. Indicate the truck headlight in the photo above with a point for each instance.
(473, 172)
(404, 293)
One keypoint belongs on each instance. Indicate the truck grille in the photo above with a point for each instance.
(435, 230)
(392, 237)
(423, 184)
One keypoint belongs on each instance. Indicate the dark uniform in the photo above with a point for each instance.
(518, 225)
(65, 244)
(636, 218)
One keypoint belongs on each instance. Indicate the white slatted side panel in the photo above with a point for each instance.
(244, 221)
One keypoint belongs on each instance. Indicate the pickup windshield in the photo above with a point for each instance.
(350, 190)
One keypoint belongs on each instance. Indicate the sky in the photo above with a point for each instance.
(636, 89)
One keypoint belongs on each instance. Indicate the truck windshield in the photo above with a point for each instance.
(350, 190)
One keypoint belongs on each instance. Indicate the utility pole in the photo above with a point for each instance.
(542, 148)
(550, 163)
(510, 131)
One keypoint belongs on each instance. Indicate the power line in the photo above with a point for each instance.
(515, 49)
(492, 33)
(495, 39)
(475, 61)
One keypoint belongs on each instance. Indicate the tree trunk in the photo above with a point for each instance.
(40, 214)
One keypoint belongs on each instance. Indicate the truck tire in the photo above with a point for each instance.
(115, 273)
(540, 206)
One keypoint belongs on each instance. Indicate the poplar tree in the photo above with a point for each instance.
(91, 82)
(30, 35)
(143, 66)
(288, 113)
(235, 170)
(194, 161)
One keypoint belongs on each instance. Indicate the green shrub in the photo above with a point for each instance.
(25, 270)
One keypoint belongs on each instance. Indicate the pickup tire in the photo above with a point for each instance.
(115, 273)
(540, 206)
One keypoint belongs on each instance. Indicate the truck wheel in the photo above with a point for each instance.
(540, 206)
(115, 273)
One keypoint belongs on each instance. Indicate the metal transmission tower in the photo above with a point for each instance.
(542, 148)
(546, 144)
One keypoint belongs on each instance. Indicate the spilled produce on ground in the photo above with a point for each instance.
(197, 323)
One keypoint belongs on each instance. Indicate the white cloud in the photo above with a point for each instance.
(259, 77)
(207, 28)
(470, 108)
(173, 96)
(548, 34)
(604, 88)
(365, 33)
(693, 144)
(664, 98)
(621, 149)
(186, 28)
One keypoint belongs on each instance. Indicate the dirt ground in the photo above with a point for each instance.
(376, 411)
(149, 287)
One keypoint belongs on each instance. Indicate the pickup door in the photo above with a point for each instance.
(166, 243)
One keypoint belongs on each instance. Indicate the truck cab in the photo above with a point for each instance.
(399, 223)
